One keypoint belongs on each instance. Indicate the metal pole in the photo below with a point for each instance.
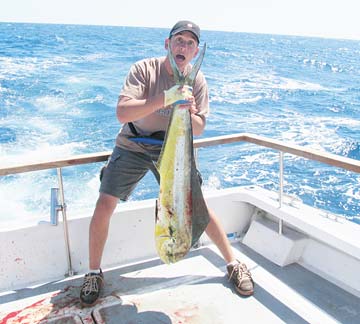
(281, 186)
(66, 232)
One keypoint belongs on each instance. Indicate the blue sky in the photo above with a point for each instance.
(324, 18)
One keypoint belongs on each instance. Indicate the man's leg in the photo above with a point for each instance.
(217, 234)
(123, 171)
(99, 227)
(98, 232)
(237, 271)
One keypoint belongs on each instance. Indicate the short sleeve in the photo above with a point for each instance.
(135, 82)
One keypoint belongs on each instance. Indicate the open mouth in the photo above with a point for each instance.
(180, 57)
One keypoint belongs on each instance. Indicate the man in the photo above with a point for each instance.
(144, 107)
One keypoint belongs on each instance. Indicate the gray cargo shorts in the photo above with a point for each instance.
(125, 169)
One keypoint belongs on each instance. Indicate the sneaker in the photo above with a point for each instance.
(241, 278)
(91, 288)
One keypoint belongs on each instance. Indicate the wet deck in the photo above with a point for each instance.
(194, 290)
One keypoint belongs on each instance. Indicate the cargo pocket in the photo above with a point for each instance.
(102, 172)
(112, 158)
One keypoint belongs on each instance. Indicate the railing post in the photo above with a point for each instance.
(281, 186)
(66, 232)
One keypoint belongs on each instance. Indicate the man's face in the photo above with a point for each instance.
(184, 48)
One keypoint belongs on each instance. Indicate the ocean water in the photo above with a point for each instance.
(59, 86)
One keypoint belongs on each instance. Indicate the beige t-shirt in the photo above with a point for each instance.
(148, 78)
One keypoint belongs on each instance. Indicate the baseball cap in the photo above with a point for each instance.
(185, 25)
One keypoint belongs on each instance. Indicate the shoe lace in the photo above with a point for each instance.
(240, 271)
(91, 284)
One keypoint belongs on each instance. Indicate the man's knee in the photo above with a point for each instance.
(106, 203)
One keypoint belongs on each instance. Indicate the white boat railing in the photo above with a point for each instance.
(281, 147)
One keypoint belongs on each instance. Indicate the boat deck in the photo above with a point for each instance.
(194, 290)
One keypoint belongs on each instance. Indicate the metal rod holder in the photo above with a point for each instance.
(55, 206)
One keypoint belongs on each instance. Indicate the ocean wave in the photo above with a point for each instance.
(13, 68)
(76, 79)
(60, 39)
(50, 102)
(323, 65)
(97, 99)
(293, 84)
(39, 152)
(7, 135)
(350, 149)
(10, 67)
(258, 87)
(96, 56)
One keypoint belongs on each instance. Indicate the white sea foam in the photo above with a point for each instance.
(12, 67)
(49, 102)
(76, 79)
(258, 87)
(96, 56)
(213, 182)
(97, 98)
(42, 152)
(322, 65)
(21, 207)
(292, 84)
(59, 39)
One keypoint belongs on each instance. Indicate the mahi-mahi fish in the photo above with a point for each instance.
(181, 212)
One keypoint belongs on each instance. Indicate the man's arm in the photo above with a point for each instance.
(129, 109)
(198, 124)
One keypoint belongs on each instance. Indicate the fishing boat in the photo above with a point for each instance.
(305, 261)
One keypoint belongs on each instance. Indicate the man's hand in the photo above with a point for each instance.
(177, 94)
